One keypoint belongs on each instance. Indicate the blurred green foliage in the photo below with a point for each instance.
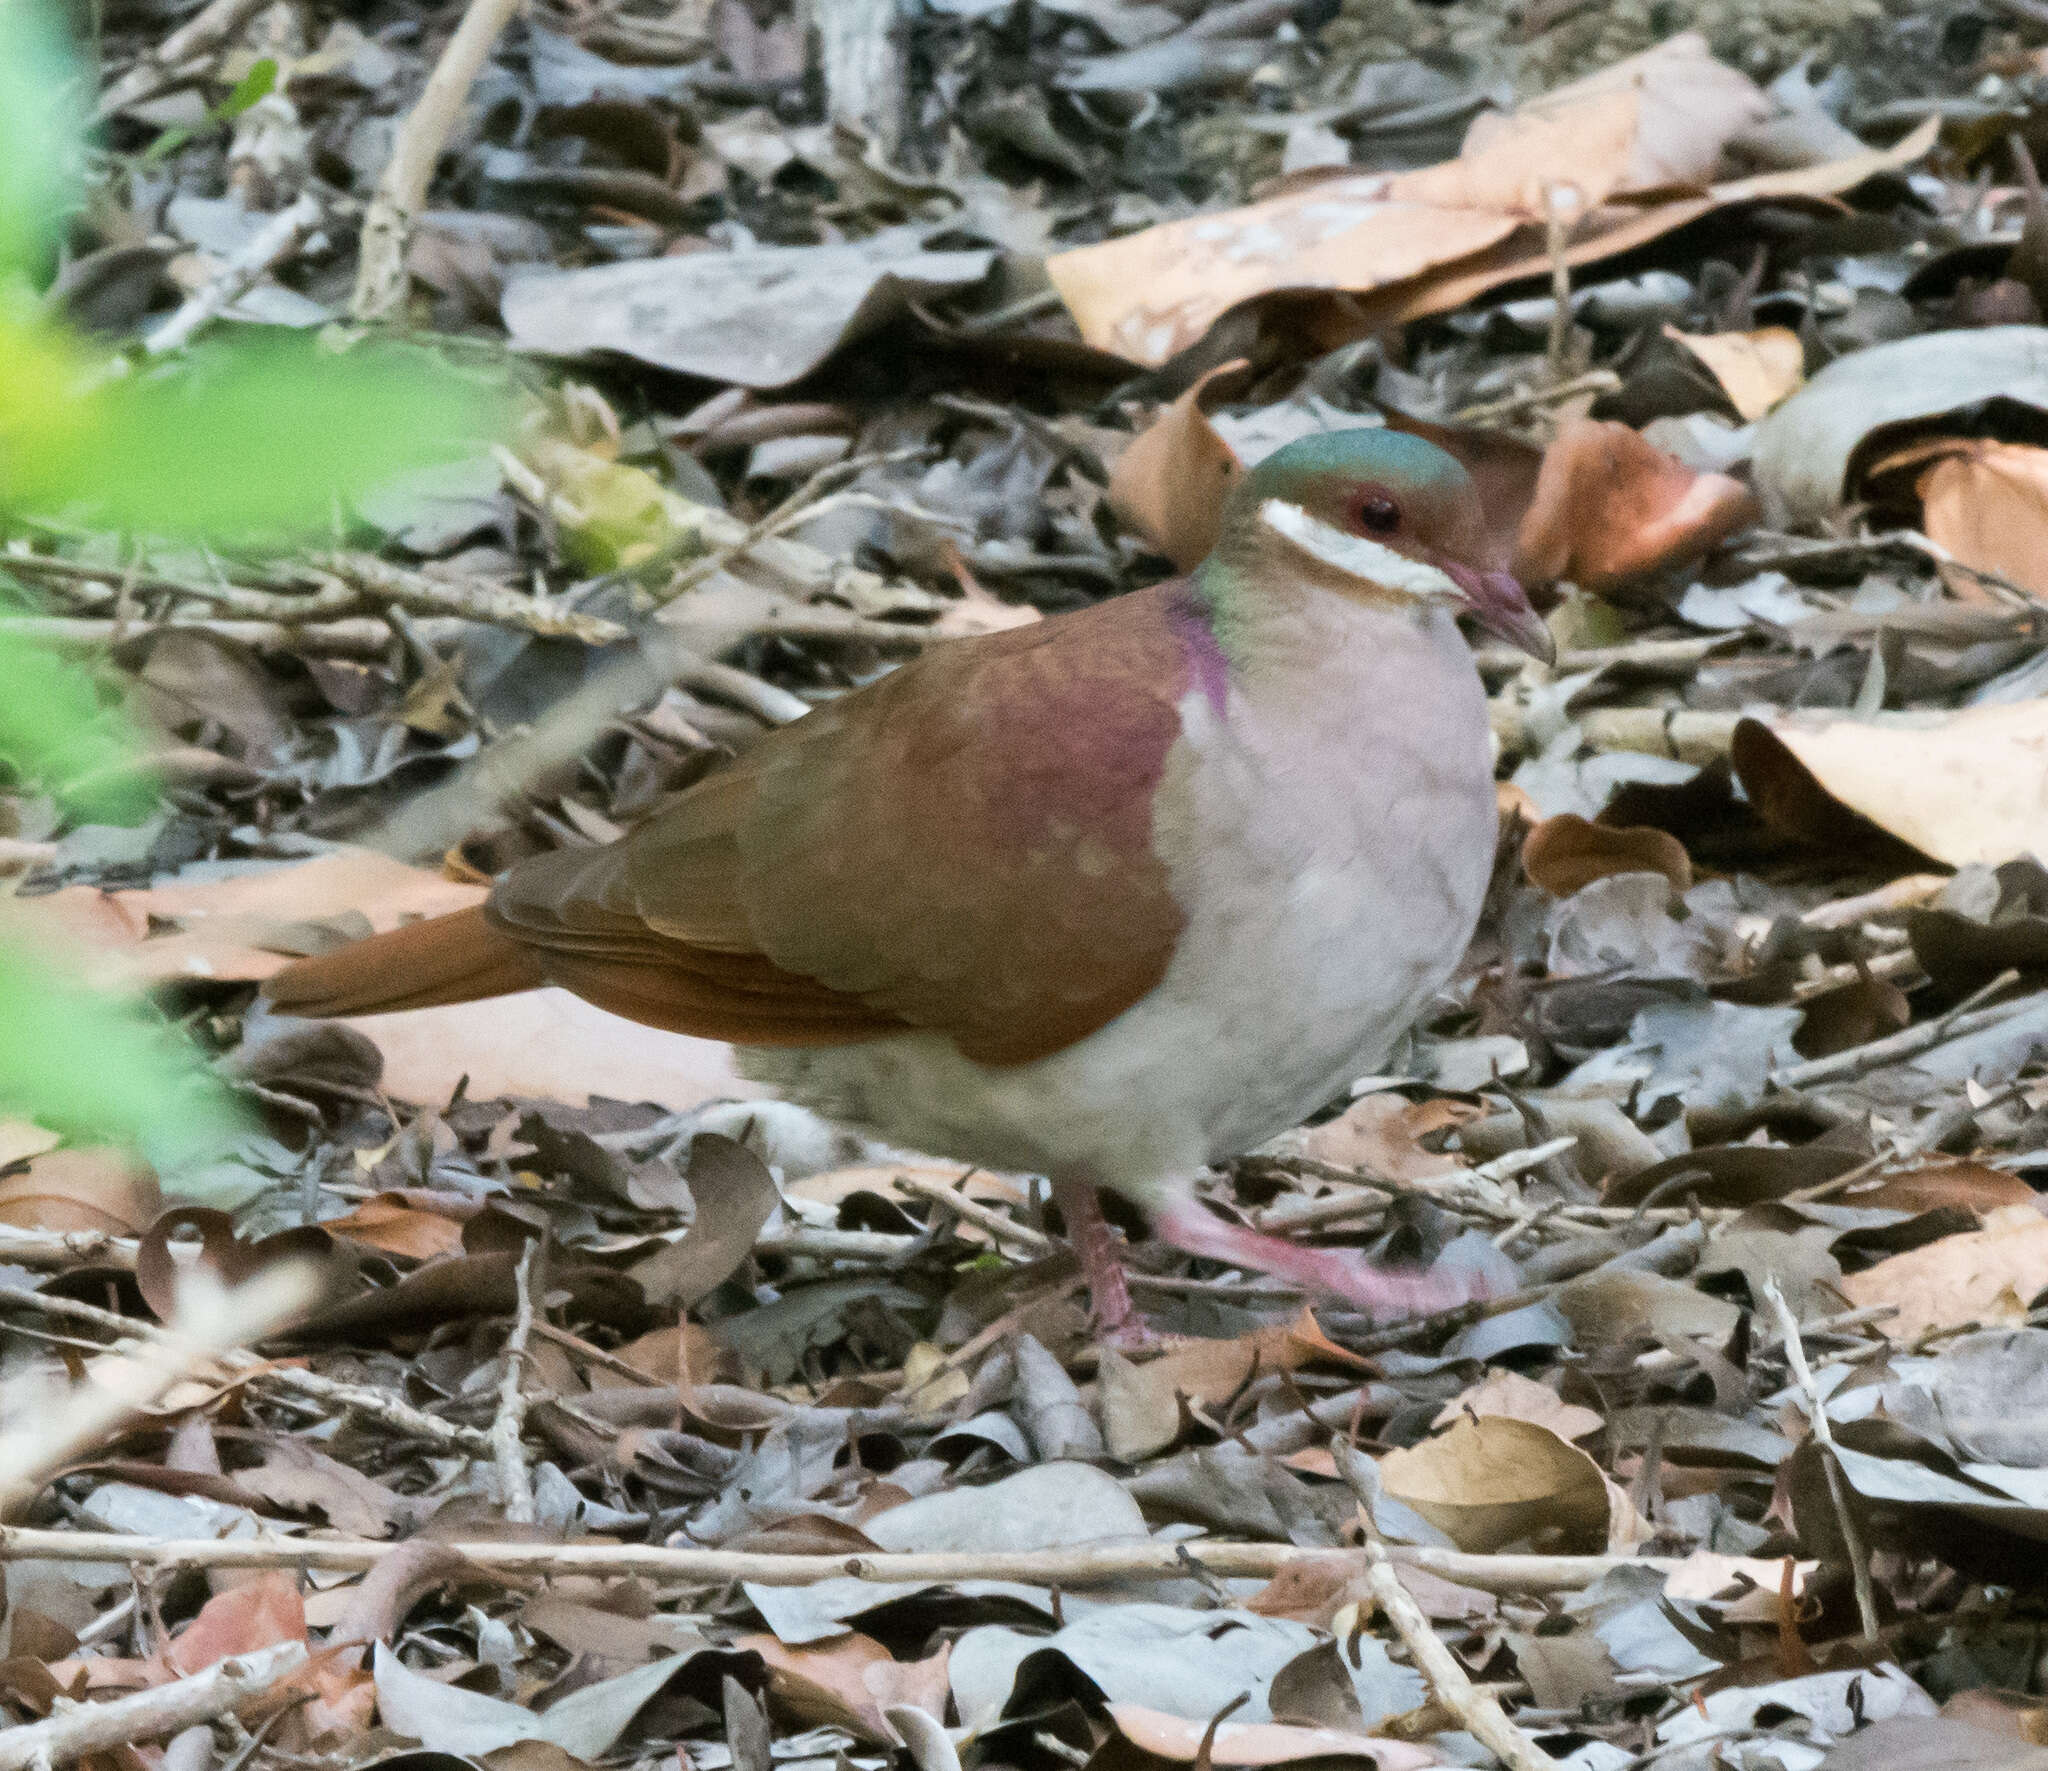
(221, 439)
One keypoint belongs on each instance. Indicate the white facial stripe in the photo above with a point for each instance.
(1356, 555)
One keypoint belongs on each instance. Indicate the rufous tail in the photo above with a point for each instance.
(458, 958)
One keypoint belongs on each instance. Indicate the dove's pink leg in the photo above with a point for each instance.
(1383, 1291)
(1117, 1321)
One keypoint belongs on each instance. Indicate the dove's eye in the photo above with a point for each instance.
(1378, 514)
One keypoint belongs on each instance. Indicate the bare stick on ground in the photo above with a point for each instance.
(401, 193)
(515, 1480)
(86, 1728)
(1479, 1711)
(1086, 1566)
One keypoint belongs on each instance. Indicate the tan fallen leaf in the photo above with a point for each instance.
(1755, 369)
(1990, 1276)
(22, 1138)
(1630, 153)
(1611, 507)
(848, 1682)
(1150, 295)
(1170, 483)
(1497, 1481)
(244, 927)
(398, 1228)
(547, 1045)
(1959, 787)
(93, 1188)
(1382, 1135)
(1567, 852)
(1986, 503)
(1181, 1740)
(1515, 1397)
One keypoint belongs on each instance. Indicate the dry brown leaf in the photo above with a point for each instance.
(1610, 507)
(1986, 502)
(242, 928)
(1170, 483)
(84, 1189)
(1567, 852)
(387, 1222)
(848, 1682)
(1140, 1404)
(685, 1355)
(1968, 1186)
(1958, 787)
(1989, 1276)
(1497, 1481)
(1259, 1743)
(1515, 1397)
(1381, 1135)
(1755, 369)
(547, 1045)
(1658, 119)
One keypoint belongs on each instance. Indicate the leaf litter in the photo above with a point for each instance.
(1738, 326)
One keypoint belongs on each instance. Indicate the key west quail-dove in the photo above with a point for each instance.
(1107, 898)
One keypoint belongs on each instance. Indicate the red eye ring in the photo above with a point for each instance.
(1379, 514)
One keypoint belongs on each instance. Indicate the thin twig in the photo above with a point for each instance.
(1479, 1712)
(179, 57)
(85, 1728)
(381, 279)
(388, 1411)
(1824, 1436)
(211, 1324)
(473, 599)
(271, 244)
(983, 1217)
(1086, 1565)
(515, 1480)
(1959, 1022)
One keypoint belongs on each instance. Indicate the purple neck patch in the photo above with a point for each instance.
(1191, 625)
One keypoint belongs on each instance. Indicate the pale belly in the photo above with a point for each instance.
(1325, 905)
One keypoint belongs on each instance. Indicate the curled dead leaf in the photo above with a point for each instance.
(1495, 1481)
(1610, 507)
(1567, 852)
(1170, 483)
(1958, 787)
(1755, 369)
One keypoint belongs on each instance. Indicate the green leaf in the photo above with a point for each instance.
(256, 433)
(86, 1063)
(254, 86)
(55, 732)
(42, 115)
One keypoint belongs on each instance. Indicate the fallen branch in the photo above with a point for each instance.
(381, 279)
(85, 1728)
(1478, 1711)
(364, 638)
(1063, 1568)
(420, 593)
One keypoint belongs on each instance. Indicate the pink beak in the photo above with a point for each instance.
(1502, 607)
